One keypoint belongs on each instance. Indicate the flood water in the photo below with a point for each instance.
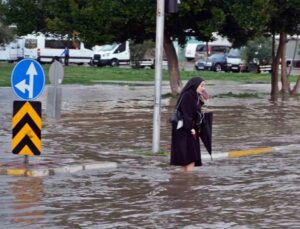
(114, 123)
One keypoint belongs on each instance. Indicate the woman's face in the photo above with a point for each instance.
(201, 88)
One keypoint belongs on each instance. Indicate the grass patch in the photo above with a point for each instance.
(93, 75)
(240, 95)
(151, 154)
(167, 95)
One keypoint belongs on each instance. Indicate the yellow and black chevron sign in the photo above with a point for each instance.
(26, 128)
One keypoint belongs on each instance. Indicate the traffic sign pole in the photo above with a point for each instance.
(26, 161)
(54, 96)
(158, 74)
(27, 82)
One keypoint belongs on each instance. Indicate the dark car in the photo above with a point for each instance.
(216, 62)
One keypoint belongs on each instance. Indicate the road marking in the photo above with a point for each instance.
(242, 153)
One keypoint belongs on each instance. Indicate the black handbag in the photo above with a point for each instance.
(176, 114)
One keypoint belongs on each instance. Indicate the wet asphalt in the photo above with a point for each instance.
(114, 123)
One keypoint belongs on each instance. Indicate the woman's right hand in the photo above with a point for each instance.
(193, 131)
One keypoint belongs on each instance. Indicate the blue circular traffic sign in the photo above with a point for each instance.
(28, 79)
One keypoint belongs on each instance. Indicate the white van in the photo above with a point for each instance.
(190, 51)
(235, 63)
(47, 48)
(112, 54)
(12, 51)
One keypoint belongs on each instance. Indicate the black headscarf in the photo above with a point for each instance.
(192, 86)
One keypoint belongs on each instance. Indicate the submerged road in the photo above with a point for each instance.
(114, 123)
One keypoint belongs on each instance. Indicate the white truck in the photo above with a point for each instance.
(47, 48)
(112, 54)
(12, 51)
(116, 54)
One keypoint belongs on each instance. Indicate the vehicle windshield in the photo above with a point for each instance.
(31, 43)
(234, 53)
(216, 56)
(201, 48)
(108, 47)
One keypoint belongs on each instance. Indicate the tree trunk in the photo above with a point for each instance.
(296, 88)
(284, 78)
(275, 64)
(173, 67)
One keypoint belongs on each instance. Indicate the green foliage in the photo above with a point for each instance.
(6, 34)
(244, 20)
(98, 22)
(284, 17)
(197, 18)
(141, 51)
(240, 95)
(28, 16)
(260, 50)
(151, 154)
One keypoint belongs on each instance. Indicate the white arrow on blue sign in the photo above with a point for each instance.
(28, 79)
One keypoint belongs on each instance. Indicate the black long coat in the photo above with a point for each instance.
(185, 148)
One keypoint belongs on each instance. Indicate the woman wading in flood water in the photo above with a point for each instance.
(185, 145)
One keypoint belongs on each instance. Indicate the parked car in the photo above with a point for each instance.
(205, 50)
(216, 62)
(235, 63)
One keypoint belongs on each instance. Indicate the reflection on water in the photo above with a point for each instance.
(28, 193)
(115, 123)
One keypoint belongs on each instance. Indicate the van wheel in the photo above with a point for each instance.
(218, 68)
(114, 62)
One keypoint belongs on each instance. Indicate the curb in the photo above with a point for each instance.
(241, 153)
(128, 83)
(40, 172)
(111, 165)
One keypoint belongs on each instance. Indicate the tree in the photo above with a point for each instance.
(248, 19)
(6, 34)
(244, 20)
(28, 16)
(284, 20)
(106, 21)
(102, 21)
(258, 51)
(140, 51)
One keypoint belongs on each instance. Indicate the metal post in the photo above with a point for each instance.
(160, 15)
(26, 160)
(54, 98)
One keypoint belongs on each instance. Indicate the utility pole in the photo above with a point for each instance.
(160, 18)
